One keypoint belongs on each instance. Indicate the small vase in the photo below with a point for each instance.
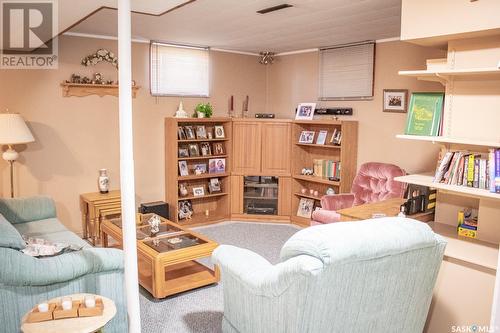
(103, 181)
(200, 114)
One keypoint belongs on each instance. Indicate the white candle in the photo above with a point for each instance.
(66, 303)
(43, 307)
(89, 301)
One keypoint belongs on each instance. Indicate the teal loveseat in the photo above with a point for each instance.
(25, 281)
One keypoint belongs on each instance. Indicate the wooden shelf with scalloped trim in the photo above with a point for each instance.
(82, 90)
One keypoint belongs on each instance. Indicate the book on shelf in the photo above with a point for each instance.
(469, 169)
(467, 222)
(326, 168)
(425, 114)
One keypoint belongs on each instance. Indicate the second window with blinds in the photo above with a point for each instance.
(178, 70)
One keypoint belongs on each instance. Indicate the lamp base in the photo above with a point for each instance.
(10, 154)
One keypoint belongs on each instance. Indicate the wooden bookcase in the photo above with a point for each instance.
(217, 204)
(304, 154)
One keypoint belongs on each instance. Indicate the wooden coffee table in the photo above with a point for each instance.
(388, 207)
(167, 261)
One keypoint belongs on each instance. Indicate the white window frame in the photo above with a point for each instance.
(151, 76)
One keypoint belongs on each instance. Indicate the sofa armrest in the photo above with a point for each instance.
(20, 210)
(24, 270)
(337, 201)
(258, 275)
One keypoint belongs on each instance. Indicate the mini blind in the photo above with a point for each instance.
(346, 72)
(179, 70)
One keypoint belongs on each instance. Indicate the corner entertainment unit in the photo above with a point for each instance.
(195, 152)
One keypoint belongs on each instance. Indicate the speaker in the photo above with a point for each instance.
(156, 207)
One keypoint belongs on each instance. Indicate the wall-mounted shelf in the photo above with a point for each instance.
(443, 76)
(426, 180)
(317, 145)
(448, 140)
(319, 180)
(82, 90)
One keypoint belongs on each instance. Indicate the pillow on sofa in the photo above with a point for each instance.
(9, 236)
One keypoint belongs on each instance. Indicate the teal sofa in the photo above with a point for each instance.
(369, 276)
(25, 281)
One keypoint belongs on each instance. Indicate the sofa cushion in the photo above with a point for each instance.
(21, 210)
(364, 240)
(9, 236)
(51, 230)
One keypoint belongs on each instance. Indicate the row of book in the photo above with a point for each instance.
(470, 169)
(326, 168)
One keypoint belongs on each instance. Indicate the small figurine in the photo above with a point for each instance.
(307, 172)
(154, 224)
(330, 191)
(180, 113)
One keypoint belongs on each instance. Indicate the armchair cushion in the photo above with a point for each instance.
(323, 216)
(337, 201)
(9, 236)
(21, 210)
(360, 241)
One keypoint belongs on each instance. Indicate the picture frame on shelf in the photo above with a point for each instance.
(200, 168)
(307, 137)
(205, 149)
(194, 150)
(217, 165)
(201, 132)
(189, 131)
(305, 111)
(336, 137)
(219, 132)
(218, 148)
(214, 185)
(198, 191)
(321, 139)
(395, 100)
(183, 168)
(181, 134)
(185, 209)
(183, 152)
(183, 191)
(305, 208)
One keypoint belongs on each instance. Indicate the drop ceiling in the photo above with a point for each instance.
(235, 25)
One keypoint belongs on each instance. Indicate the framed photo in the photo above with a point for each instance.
(185, 209)
(219, 132)
(180, 133)
(214, 185)
(183, 168)
(183, 191)
(205, 149)
(217, 165)
(201, 132)
(183, 152)
(307, 137)
(305, 208)
(305, 111)
(194, 150)
(395, 100)
(321, 137)
(190, 135)
(200, 169)
(198, 191)
(218, 148)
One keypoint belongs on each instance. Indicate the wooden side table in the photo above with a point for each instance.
(94, 207)
(388, 207)
(75, 325)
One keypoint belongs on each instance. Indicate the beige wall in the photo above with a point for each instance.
(77, 136)
(294, 79)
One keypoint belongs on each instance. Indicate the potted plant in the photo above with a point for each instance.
(203, 110)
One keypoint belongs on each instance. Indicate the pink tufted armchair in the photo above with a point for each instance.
(374, 182)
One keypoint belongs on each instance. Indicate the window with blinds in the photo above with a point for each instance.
(179, 70)
(347, 72)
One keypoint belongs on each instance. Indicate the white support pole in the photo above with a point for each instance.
(127, 166)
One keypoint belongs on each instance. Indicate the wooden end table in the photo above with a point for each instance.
(167, 261)
(95, 206)
(389, 207)
(75, 325)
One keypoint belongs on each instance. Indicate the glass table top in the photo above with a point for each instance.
(144, 230)
(170, 243)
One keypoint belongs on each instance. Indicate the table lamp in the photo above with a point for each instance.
(13, 130)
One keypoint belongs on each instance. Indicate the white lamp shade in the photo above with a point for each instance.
(13, 129)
